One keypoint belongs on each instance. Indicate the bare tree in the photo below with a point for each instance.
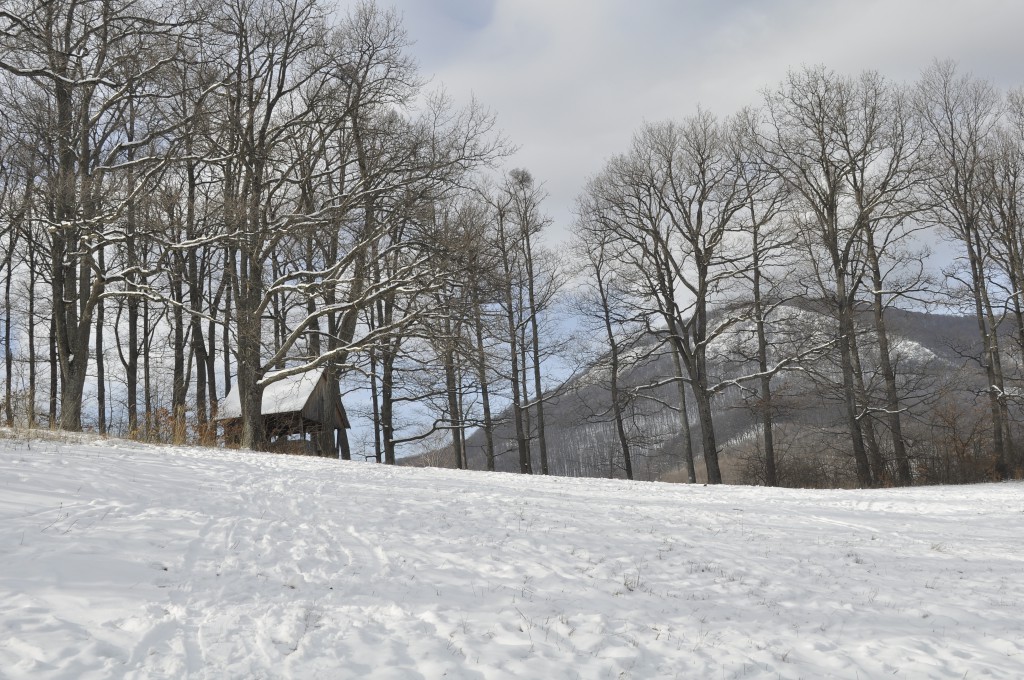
(808, 120)
(88, 61)
(1002, 181)
(506, 243)
(673, 202)
(601, 301)
(959, 114)
(542, 280)
(770, 245)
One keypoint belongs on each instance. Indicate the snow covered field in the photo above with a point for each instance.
(119, 560)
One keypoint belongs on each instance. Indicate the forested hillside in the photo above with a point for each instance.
(584, 442)
(199, 198)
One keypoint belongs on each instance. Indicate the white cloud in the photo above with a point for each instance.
(572, 79)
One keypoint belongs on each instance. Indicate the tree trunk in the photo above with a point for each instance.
(211, 377)
(620, 427)
(72, 389)
(31, 336)
(513, 342)
(204, 408)
(179, 381)
(535, 338)
(8, 354)
(899, 448)
(225, 340)
(250, 372)
(517, 409)
(151, 425)
(52, 405)
(987, 334)
(454, 417)
(684, 418)
(524, 386)
(77, 285)
(846, 331)
(72, 355)
(250, 391)
(879, 471)
(203, 422)
(766, 406)
(132, 365)
(101, 391)
(771, 475)
(388, 406)
(696, 367)
(707, 430)
(1006, 454)
(461, 405)
(375, 403)
(481, 365)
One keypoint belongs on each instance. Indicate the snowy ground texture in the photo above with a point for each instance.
(118, 560)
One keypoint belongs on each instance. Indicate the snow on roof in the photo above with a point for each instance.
(283, 396)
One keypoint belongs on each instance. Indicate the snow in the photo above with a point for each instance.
(283, 396)
(915, 351)
(121, 560)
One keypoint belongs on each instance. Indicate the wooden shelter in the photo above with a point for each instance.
(302, 413)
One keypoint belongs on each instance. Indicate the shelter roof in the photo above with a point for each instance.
(286, 395)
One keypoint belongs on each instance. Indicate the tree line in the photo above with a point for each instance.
(825, 197)
(196, 199)
(233, 194)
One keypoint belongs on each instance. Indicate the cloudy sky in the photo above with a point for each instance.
(571, 80)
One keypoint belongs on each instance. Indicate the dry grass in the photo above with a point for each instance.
(732, 471)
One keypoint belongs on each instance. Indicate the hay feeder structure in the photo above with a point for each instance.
(302, 414)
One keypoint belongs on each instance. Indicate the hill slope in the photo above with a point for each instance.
(124, 561)
(583, 442)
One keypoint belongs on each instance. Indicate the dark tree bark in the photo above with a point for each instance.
(894, 409)
(482, 377)
(8, 353)
(765, 402)
(82, 59)
(32, 376)
(52, 405)
(684, 418)
(101, 374)
(959, 115)
(508, 272)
